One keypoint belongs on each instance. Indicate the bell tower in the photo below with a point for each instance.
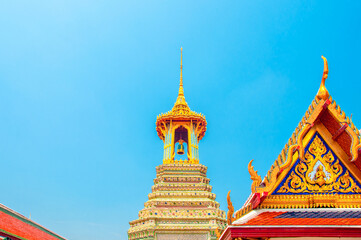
(181, 205)
(181, 129)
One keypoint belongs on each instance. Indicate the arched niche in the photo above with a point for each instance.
(181, 133)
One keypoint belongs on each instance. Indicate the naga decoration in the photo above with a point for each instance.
(355, 152)
(254, 177)
(230, 212)
(319, 172)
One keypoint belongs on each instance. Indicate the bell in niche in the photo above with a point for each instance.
(180, 149)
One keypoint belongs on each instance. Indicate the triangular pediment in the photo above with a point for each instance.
(321, 171)
(320, 165)
(326, 125)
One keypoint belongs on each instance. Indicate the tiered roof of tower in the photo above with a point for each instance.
(313, 188)
(181, 111)
(181, 206)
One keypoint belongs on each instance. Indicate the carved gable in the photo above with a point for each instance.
(321, 171)
(320, 165)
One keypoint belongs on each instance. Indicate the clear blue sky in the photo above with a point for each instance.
(81, 84)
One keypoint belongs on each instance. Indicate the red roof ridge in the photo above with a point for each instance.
(23, 218)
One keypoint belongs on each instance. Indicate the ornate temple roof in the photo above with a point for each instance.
(339, 128)
(181, 111)
(15, 226)
(314, 182)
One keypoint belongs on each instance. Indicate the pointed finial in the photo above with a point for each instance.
(322, 92)
(254, 176)
(181, 91)
(230, 212)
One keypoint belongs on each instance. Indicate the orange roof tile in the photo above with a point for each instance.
(20, 227)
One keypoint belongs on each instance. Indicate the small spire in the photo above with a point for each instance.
(181, 91)
(322, 92)
(181, 101)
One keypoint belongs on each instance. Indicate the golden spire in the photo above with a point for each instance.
(181, 110)
(322, 92)
(181, 91)
(181, 99)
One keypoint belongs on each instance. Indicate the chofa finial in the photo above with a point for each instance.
(322, 92)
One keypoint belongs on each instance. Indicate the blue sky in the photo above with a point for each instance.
(81, 84)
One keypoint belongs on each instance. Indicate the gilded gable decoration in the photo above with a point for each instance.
(319, 172)
(319, 165)
(313, 188)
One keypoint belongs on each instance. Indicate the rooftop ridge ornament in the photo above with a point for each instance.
(322, 92)
(254, 177)
(230, 212)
